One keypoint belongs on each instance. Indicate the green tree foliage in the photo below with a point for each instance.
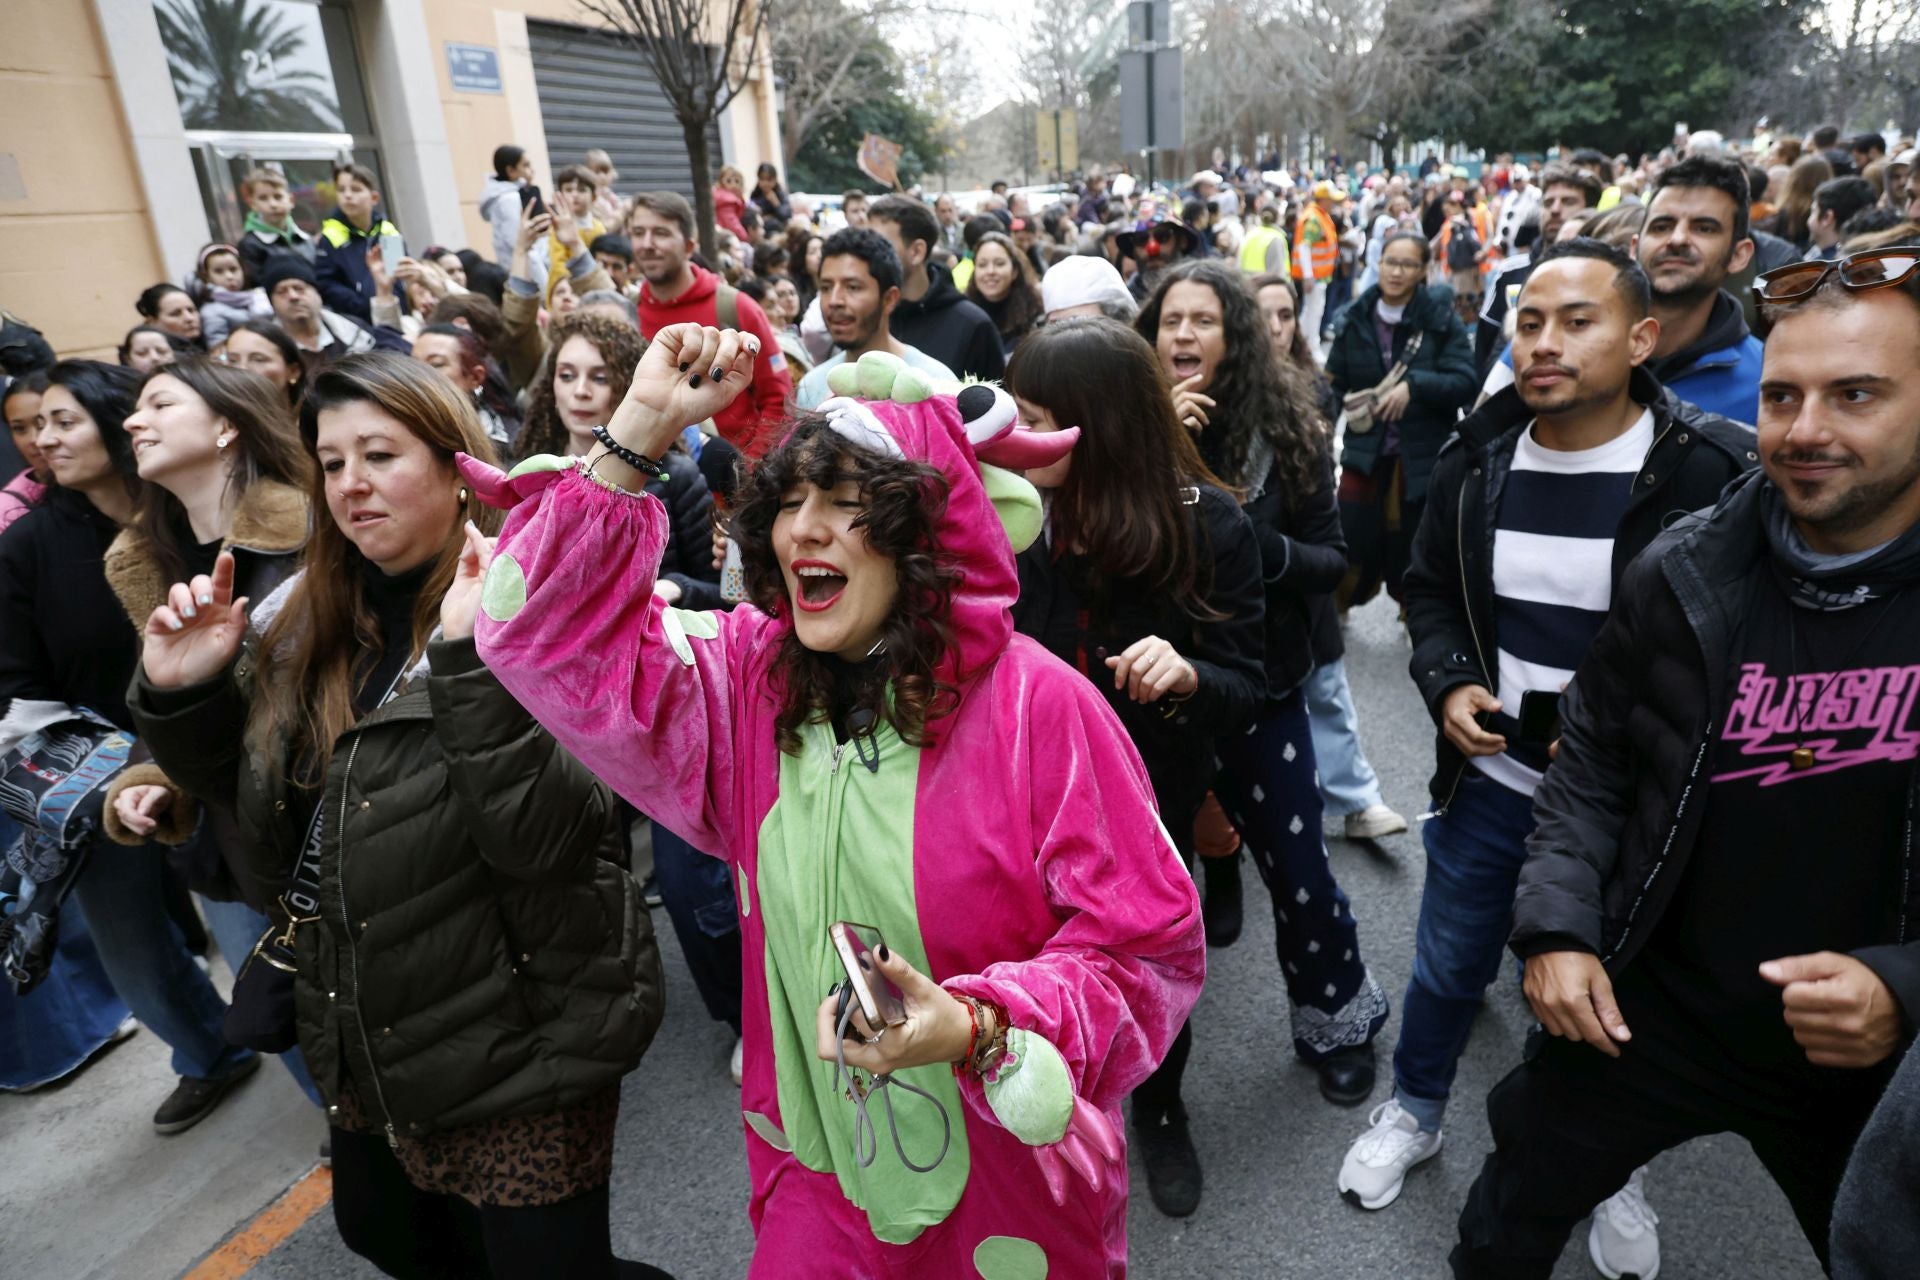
(825, 162)
(1604, 73)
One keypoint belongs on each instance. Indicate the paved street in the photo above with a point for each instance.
(86, 1190)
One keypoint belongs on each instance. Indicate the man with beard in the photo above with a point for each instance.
(676, 290)
(323, 335)
(1535, 508)
(859, 288)
(1715, 902)
(1695, 236)
(1563, 191)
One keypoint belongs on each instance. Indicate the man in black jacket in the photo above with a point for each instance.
(1549, 490)
(933, 315)
(1718, 898)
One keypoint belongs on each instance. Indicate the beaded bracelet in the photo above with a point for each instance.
(638, 461)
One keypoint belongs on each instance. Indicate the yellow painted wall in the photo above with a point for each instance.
(77, 250)
(479, 122)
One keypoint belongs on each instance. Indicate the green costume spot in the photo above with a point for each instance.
(1009, 1258)
(504, 591)
(1033, 1094)
(1016, 502)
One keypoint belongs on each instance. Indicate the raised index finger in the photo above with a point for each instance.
(223, 579)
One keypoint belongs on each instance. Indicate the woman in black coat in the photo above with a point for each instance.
(1384, 470)
(1258, 431)
(1148, 581)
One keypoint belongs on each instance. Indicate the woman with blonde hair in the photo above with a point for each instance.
(471, 970)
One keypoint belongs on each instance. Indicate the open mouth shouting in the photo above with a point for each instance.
(817, 585)
(1185, 365)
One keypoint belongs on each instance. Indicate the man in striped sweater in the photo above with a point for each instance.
(1549, 489)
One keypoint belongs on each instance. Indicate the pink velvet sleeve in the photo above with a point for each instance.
(641, 694)
(1115, 982)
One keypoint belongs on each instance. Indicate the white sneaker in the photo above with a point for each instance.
(1623, 1240)
(736, 1064)
(1377, 1162)
(1374, 821)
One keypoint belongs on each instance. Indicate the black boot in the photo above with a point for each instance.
(1346, 1075)
(1173, 1166)
(1221, 911)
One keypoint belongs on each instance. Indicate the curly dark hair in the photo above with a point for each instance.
(1252, 391)
(904, 503)
(619, 344)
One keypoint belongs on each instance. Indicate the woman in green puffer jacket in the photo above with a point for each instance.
(479, 972)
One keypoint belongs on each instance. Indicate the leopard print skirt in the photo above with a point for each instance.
(514, 1162)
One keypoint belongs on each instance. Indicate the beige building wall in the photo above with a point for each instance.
(479, 122)
(76, 242)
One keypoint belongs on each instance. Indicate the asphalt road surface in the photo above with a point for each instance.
(1271, 1146)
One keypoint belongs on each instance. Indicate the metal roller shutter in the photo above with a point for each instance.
(598, 91)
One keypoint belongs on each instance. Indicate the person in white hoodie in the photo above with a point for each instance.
(500, 197)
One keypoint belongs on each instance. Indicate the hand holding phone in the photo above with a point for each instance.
(530, 199)
(1539, 716)
(879, 999)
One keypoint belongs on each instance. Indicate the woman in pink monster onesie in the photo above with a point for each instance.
(871, 743)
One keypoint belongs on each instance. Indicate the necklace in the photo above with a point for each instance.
(1804, 757)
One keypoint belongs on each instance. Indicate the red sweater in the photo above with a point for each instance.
(749, 423)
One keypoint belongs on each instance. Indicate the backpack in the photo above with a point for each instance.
(1463, 247)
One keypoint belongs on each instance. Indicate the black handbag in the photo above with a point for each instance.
(260, 1012)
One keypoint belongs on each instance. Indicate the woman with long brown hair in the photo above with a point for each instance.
(223, 471)
(1006, 287)
(1255, 424)
(472, 973)
(1148, 582)
(1793, 220)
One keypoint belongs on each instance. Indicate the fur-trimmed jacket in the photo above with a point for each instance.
(270, 527)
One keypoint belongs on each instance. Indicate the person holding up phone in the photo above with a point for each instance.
(870, 744)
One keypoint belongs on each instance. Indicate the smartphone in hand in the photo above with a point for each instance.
(879, 999)
(530, 199)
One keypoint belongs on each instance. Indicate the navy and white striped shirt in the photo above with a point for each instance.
(1553, 575)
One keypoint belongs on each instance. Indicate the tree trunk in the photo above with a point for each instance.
(699, 162)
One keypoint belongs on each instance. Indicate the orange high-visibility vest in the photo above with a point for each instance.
(1314, 259)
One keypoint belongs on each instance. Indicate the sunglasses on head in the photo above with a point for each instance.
(1859, 272)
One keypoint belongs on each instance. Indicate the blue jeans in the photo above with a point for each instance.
(121, 894)
(235, 927)
(48, 1033)
(1474, 853)
(697, 892)
(1348, 783)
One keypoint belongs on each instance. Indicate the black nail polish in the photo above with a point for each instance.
(883, 952)
(685, 365)
(864, 964)
(718, 373)
(694, 381)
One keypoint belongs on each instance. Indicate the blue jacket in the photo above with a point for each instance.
(1720, 370)
(340, 265)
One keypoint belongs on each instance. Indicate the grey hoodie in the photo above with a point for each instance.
(500, 206)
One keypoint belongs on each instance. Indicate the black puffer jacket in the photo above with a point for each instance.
(1440, 378)
(1449, 583)
(944, 325)
(1174, 739)
(687, 560)
(1620, 810)
(479, 954)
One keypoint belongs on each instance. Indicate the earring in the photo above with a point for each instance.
(221, 442)
(463, 495)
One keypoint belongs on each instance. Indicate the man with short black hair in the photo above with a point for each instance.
(1867, 148)
(933, 315)
(1534, 509)
(1835, 201)
(1825, 138)
(1714, 905)
(1696, 235)
(1564, 191)
(675, 290)
(859, 290)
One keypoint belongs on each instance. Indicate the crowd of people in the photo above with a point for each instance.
(338, 636)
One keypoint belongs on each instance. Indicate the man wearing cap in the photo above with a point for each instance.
(1160, 239)
(1085, 285)
(323, 335)
(1316, 249)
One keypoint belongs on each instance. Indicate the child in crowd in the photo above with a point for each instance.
(346, 285)
(615, 253)
(269, 227)
(220, 283)
(575, 186)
